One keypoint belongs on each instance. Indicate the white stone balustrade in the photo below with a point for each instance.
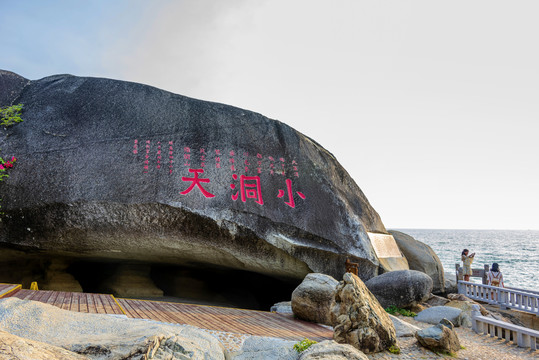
(518, 299)
(519, 335)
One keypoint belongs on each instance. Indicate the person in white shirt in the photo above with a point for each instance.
(495, 277)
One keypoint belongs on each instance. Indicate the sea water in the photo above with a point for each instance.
(515, 251)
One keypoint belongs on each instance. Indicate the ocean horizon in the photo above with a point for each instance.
(516, 251)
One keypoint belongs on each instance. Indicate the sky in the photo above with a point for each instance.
(432, 107)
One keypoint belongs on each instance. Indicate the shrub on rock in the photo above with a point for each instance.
(359, 319)
(313, 298)
(401, 288)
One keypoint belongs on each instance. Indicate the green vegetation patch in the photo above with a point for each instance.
(10, 115)
(393, 310)
(304, 345)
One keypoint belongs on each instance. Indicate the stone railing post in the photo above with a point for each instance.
(476, 325)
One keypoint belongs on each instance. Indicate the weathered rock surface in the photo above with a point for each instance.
(116, 170)
(435, 314)
(435, 300)
(402, 328)
(401, 288)
(441, 337)
(314, 298)
(422, 258)
(15, 347)
(266, 348)
(129, 281)
(103, 336)
(283, 307)
(450, 283)
(358, 318)
(331, 350)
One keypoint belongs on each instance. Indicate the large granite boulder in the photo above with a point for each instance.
(314, 298)
(117, 170)
(403, 288)
(422, 258)
(358, 318)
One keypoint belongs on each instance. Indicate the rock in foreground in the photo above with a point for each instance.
(103, 336)
(116, 170)
(358, 318)
(330, 350)
(441, 337)
(15, 347)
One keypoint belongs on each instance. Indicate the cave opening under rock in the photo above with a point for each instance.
(193, 283)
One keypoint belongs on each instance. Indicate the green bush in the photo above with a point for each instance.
(10, 115)
(393, 310)
(394, 349)
(303, 345)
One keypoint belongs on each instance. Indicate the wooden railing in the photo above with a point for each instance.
(519, 335)
(505, 297)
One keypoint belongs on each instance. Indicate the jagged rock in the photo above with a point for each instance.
(313, 299)
(116, 170)
(402, 328)
(331, 350)
(422, 258)
(441, 337)
(102, 336)
(15, 347)
(435, 314)
(283, 307)
(358, 318)
(401, 288)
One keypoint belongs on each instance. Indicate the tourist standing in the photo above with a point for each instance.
(467, 264)
(495, 278)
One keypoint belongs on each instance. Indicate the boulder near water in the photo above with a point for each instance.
(422, 258)
(117, 171)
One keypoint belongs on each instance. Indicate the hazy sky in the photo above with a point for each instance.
(431, 106)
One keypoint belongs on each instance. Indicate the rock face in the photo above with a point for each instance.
(330, 350)
(15, 347)
(402, 288)
(441, 337)
(422, 258)
(314, 298)
(105, 337)
(116, 170)
(358, 318)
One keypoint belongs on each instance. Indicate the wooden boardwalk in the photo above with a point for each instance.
(240, 321)
(73, 301)
(7, 288)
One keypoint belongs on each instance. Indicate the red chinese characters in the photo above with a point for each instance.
(250, 188)
(290, 201)
(196, 181)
